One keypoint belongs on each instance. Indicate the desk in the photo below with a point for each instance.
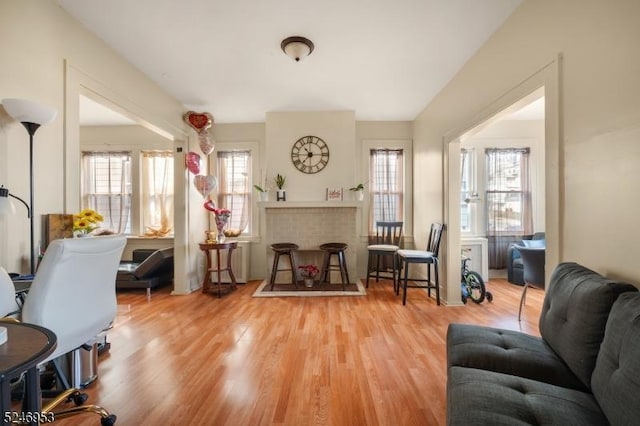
(26, 346)
(207, 248)
(22, 288)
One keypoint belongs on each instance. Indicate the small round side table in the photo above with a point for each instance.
(207, 248)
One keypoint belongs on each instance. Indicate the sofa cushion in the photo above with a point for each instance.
(616, 377)
(478, 397)
(574, 315)
(509, 352)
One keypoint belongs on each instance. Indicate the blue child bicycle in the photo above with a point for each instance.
(472, 284)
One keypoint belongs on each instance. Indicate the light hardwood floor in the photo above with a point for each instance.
(368, 360)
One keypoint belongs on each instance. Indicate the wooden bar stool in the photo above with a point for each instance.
(334, 249)
(283, 249)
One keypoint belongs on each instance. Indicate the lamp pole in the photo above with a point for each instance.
(31, 129)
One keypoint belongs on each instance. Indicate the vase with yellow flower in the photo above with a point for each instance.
(86, 222)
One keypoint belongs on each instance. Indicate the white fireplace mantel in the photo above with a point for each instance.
(308, 204)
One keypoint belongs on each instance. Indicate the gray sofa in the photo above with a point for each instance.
(584, 370)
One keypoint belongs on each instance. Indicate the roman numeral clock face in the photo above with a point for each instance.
(310, 154)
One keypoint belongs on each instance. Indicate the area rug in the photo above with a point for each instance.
(325, 289)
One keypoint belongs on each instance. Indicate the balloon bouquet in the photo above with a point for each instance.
(200, 122)
(205, 184)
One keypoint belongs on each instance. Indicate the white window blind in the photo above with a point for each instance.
(106, 188)
(386, 187)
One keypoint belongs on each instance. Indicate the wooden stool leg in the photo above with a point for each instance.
(368, 268)
(435, 274)
(343, 267)
(406, 278)
(325, 267)
(274, 269)
(294, 276)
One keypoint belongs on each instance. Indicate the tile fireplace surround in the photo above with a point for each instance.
(310, 224)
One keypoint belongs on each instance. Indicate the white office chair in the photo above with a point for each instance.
(73, 294)
(8, 304)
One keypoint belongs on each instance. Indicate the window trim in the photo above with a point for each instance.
(406, 145)
(253, 146)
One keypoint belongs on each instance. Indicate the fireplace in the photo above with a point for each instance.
(310, 224)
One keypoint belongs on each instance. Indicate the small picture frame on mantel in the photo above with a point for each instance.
(334, 194)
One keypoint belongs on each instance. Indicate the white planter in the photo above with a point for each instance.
(264, 196)
(359, 195)
(281, 195)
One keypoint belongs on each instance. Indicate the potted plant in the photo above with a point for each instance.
(358, 191)
(262, 192)
(279, 181)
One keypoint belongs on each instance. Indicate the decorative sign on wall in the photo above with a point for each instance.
(334, 194)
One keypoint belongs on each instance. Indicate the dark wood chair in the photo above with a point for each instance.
(533, 270)
(428, 257)
(383, 250)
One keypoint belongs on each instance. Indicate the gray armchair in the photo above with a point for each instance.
(515, 273)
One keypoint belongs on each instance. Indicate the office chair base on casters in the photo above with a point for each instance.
(78, 399)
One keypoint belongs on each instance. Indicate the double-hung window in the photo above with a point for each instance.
(234, 187)
(386, 186)
(508, 191)
(157, 192)
(132, 190)
(107, 187)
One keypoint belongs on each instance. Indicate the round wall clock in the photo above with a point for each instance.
(310, 154)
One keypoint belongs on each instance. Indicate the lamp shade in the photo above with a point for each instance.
(297, 47)
(26, 111)
(6, 206)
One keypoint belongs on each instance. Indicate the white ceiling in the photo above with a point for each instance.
(383, 59)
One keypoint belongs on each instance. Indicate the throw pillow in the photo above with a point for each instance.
(534, 243)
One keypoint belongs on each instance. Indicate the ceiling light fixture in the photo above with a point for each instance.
(297, 47)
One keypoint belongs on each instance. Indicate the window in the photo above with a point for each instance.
(386, 187)
(106, 187)
(157, 192)
(234, 189)
(508, 192)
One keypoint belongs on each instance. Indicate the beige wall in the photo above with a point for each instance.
(276, 136)
(599, 120)
(39, 43)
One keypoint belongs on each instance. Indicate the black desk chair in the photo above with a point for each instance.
(428, 257)
(533, 271)
(383, 251)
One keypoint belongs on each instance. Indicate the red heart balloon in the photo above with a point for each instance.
(193, 162)
(199, 121)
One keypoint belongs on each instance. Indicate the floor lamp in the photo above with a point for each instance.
(32, 115)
